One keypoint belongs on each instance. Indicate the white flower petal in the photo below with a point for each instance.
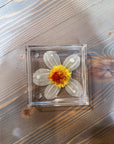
(51, 91)
(51, 59)
(72, 61)
(74, 88)
(40, 77)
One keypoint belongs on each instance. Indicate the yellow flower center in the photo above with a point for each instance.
(60, 75)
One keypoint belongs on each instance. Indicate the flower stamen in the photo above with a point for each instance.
(60, 75)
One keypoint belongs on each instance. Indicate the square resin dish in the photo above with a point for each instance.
(57, 75)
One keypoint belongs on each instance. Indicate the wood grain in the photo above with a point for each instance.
(56, 22)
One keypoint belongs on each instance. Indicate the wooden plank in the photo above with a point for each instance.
(24, 24)
(53, 22)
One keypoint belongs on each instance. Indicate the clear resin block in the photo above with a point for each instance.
(57, 75)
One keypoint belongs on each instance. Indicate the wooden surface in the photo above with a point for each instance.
(56, 22)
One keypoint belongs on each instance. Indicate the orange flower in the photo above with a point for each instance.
(60, 75)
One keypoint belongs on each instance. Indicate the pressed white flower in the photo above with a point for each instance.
(58, 75)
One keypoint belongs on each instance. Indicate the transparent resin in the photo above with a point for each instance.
(35, 61)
